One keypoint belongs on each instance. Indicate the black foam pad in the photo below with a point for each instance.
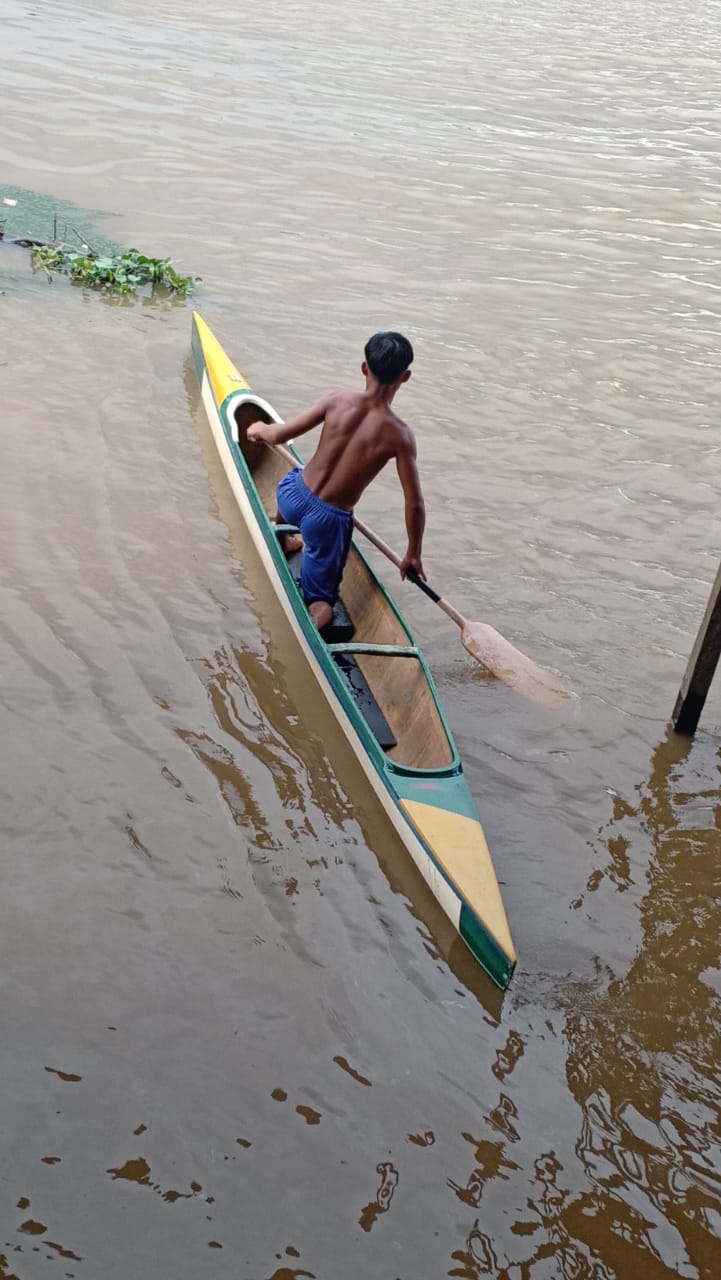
(364, 700)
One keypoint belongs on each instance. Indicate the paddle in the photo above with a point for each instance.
(480, 640)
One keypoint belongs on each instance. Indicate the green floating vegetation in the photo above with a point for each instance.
(121, 273)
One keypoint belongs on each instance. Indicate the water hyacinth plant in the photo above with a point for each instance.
(123, 273)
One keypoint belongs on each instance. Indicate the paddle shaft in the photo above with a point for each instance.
(481, 641)
(390, 554)
(411, 574)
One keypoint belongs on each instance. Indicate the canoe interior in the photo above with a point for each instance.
(398, 684)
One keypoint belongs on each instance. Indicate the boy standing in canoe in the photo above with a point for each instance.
(360, 435)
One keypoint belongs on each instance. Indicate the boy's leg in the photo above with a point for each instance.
(321, 612)
(324, 560)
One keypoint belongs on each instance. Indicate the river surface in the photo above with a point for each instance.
(236, 1038)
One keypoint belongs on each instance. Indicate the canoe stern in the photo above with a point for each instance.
(444, 818)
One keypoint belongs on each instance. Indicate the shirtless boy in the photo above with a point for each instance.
(360, 435)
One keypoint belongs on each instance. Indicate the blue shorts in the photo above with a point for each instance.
(326, 533)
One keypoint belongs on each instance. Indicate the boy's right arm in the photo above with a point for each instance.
(280, 432)
(415, 509)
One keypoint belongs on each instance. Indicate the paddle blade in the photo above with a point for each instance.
(499, 656)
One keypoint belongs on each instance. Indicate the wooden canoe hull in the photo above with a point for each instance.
(419, 783)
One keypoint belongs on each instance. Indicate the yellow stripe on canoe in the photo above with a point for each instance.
(223, 375)
(459, 846)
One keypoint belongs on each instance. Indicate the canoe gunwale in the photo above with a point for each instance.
(404, 791)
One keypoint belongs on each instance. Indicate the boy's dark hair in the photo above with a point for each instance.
(388, 355)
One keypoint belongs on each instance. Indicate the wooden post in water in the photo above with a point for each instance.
(701, 665)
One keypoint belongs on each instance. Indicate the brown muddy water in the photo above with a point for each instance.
(236, 1039)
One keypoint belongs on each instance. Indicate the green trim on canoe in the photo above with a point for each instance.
(443, 791)
(484, 947)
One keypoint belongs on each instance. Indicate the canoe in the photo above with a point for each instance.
(374, 677)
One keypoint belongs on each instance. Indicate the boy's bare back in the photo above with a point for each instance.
(360, 435)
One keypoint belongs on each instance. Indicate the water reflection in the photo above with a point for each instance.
(384, 1195)
(643, 1066)
(651, 1137)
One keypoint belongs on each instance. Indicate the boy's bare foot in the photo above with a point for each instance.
(290, 543)
(321, 613)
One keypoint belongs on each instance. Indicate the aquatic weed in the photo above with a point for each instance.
(123, 273)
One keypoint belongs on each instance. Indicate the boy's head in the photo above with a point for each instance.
(388, 357)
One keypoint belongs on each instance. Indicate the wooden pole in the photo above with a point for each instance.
(701, 665)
